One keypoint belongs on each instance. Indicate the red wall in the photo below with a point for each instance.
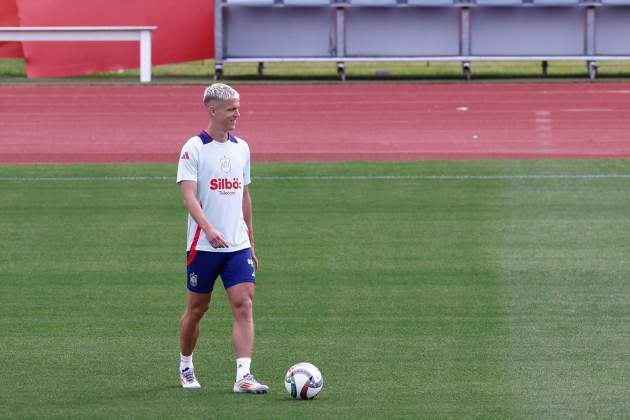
(9, 17)
(185, 32)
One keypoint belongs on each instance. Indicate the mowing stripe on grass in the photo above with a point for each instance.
(334, 177)
(443, 289)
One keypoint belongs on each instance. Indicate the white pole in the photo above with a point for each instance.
(145, 56)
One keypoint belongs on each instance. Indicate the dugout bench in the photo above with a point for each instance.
(343, 31)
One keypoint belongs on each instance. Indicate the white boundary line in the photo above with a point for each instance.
(447, 177)
(331, 177)
(86, 178)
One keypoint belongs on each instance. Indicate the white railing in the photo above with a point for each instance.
(87, 33)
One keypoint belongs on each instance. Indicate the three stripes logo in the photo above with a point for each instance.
(185, 156)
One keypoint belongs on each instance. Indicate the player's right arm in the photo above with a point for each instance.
(189, 194)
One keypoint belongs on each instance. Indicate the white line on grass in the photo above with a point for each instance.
(85, 178)
(328, 177)
(447, 177)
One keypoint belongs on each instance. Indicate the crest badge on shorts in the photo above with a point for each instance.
(193, 279)
(226, 164)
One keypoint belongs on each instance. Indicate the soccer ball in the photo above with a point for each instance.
(303, 381)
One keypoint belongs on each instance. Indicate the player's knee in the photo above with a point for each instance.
(198, 311)
(243, 308)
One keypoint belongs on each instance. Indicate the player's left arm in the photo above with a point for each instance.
(247, 216)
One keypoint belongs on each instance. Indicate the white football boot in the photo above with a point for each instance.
(249, 384)
(188, 379)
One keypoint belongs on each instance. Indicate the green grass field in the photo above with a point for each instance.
(422, 290)
(14, 71)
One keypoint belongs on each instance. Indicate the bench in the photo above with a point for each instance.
(342, 31)
(87, 33)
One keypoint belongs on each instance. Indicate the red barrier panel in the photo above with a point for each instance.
(185, 32)
(9, 17)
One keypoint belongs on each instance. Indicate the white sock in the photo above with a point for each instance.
(242, 366)
(185, 362)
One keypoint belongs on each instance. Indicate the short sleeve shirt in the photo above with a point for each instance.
(221, 171)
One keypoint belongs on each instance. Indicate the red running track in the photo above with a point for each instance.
(321, 122)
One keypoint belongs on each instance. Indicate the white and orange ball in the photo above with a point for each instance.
(303, 381)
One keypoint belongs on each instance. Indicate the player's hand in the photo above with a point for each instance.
(215, 238)
(254, 259)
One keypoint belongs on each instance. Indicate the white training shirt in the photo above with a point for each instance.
(221, 171)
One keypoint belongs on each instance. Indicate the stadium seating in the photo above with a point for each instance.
(279, 2)
(499, 2)
(373, 2)
(427, 30)
(556, 2)
(430, 2)
(306, 2)
(250, 2)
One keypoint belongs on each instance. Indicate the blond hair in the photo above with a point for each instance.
(219, 91)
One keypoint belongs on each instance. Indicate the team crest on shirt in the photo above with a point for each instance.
(193, 279)
(226, 164)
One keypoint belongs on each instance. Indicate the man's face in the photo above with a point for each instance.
(225, 113)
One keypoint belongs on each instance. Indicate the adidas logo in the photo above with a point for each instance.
(185, 156)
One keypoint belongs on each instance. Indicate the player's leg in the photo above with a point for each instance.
(239, 279)
(201, 273)
(241, 297)
(196, 306)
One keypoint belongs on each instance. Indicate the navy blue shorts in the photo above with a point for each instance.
(233, 267)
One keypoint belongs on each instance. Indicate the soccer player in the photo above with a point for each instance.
(214, 174)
